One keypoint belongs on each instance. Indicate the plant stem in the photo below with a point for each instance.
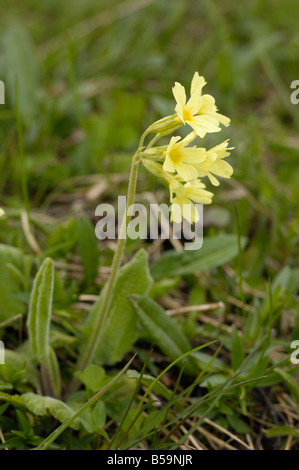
(102, 315)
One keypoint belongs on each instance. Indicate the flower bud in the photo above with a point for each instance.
(165, 125)
(156, 169)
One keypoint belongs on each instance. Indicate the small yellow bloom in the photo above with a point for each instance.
(181, 159)
(200, 111)
(214, 163)
(183, 196)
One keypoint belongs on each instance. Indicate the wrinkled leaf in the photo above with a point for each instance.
(162, 328)
(215, 251)
(38, 324)
(48, 406)
(122, 325)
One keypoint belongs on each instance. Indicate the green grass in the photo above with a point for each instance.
(90, 77)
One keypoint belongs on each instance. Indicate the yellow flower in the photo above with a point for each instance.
(200, 111)
(208, 106)
(181, 159)
(214, 163)
(183, 196)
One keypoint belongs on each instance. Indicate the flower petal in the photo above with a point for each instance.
(221, 118)
(168, 165)
(212, 178)
(222, 168)
(208, 105)
(199, 195)
(197, 83)
(179, 94)
(194, 104)
(193, 155)
(187, 172)
(204, 124)
(176, 213)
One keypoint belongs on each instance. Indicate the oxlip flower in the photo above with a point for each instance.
(214, 164)
(200, 111)
(183, 197)
(181, 159)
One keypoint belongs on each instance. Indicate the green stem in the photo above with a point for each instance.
(102, 315)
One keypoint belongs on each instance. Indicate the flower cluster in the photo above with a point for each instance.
(180, 165)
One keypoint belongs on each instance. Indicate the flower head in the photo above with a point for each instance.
(179, 165)
(181, 159)
(183, 196)
(200, 111)
(214, 164)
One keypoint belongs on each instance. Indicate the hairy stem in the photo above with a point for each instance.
(102, 315)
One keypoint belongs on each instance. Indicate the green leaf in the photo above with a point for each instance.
(282, 279)
(282, 431)
(92, 377)
(134, 429)
(161, 327)
(70, 421)
(38, 324)
(163, 287)
(204, 360)
(214, 381)
(238, 424)
(289, 382)
(54, 372)
(99, 415)
(89, 251)
(215, 251)
(10, 284)
(19, 367)
(13, 400)
(119, 398)
(48, 406)
(121, 327)
(147, 380)
(24, 423)
(40, 309)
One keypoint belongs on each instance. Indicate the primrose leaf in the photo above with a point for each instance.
(215, 251)
(92, 377)
(38, 323)
(162, 328)
(48, 406)
(122, 325)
